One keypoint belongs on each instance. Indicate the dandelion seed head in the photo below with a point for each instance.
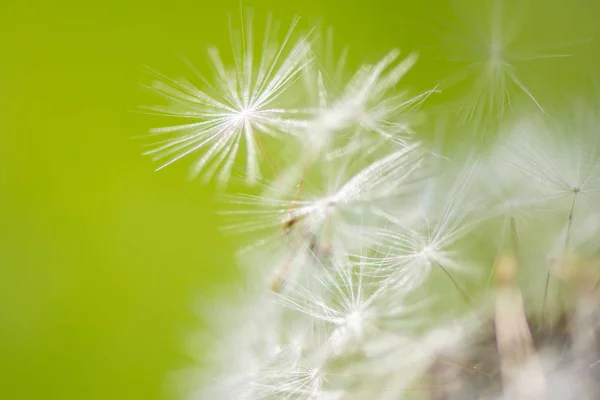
(361, 241)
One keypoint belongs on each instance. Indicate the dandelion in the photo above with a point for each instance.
(243, 103)
(376, 267)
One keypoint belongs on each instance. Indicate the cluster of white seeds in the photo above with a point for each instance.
(380, 264)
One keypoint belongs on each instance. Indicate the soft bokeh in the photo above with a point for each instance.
(102, 260)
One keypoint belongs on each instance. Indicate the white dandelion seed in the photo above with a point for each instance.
(356, 305)
(567, 173)
(299, 381)
(325, 78)
(538, 150)
(369, 108)
(369, 103)
(491, 65)
(299, 371)
(327, 224)
(240, 105)
(413, 246)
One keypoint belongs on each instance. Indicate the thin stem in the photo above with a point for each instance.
(267, 155)
(302, 177)
(462, 292)
(596, 285)
(565, 247)
(545, 297)
(570, 221)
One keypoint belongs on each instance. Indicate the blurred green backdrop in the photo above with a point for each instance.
(102, 260)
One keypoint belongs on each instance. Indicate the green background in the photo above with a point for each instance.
(102, 260)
